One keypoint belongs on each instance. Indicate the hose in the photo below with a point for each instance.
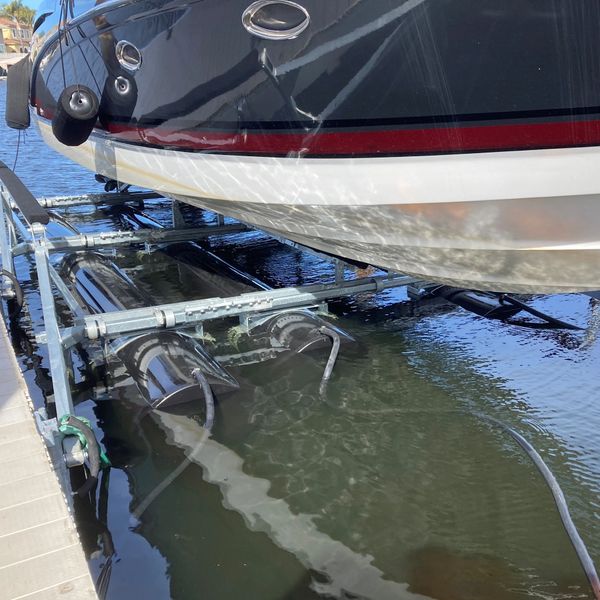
(16, 304)
(93, 452)
(108, 548)
(335, 348)
(559, 500)
(187, 461)
(561, 504)
(209, 400)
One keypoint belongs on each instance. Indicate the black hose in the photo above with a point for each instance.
(335, 348)
(200, 378)
(561, 504)
(209, 400)
(103, 579)
(93, 452)
(108, 548)
(559, 499)
(16, 303)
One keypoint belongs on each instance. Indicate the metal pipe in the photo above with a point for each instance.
(110, 199)
(297, 330)
(188, 313)
(56, 350)
(74, 243)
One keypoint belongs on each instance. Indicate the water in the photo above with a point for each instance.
(389, 486)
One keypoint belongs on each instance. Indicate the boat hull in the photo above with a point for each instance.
(455, 141)
(415, 215)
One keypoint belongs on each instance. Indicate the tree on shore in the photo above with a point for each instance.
(19, 11)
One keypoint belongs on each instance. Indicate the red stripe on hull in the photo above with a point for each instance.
(360, 142)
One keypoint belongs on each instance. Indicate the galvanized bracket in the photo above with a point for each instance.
(48, 428)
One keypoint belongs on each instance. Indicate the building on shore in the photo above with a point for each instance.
(15, 36)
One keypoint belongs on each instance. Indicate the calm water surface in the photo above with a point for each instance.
(390, 485)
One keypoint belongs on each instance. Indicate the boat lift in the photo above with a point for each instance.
(23, 221)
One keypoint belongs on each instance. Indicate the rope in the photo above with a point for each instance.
(17, 152)
(60, 39)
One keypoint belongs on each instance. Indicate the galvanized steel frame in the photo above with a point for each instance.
(248, 307)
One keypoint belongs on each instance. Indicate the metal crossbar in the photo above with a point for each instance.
(181, 314)
(112, 239)
(107, 199)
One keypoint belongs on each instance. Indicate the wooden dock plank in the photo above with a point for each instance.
(31, 513)
(40, 573)
(21, 448)
(75, 588)
(40, 553)
(18, 431)
(18, 468)
(10, 392)
(34, 486)
(49, 537)
(14, 414)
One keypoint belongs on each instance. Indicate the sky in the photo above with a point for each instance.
(32, 3)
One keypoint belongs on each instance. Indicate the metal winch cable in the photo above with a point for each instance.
(561, 504)
(335, 348)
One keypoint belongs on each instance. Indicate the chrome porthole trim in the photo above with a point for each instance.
(248, 20)
(122, 85)
(128, 55)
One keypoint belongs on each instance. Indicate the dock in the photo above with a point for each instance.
(41, 557)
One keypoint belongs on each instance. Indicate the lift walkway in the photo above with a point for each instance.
(40, 553)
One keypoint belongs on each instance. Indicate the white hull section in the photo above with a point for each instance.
(525, 221)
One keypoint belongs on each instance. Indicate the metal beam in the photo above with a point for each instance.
(65, 292)
(58, 365)
(180, 314)
(5, 245)
(111, 239)
(109, 198)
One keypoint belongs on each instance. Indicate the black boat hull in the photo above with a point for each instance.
(453, 140)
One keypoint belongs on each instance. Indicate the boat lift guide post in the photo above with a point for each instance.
(23, 232)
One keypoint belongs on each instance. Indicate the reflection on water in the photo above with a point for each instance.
(387, 486)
